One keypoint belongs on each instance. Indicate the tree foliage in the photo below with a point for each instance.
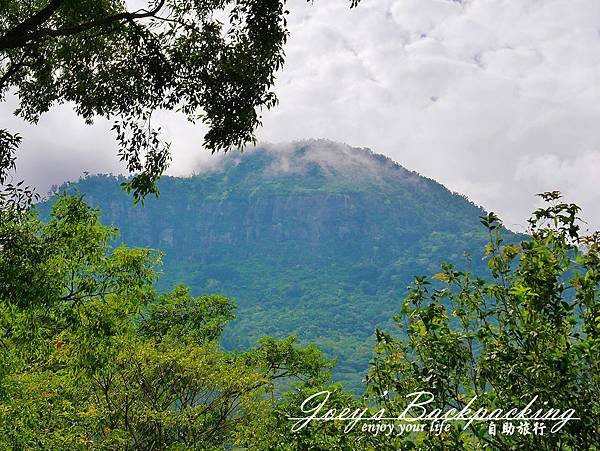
(92, 357)
(213, 61)
(531, 329)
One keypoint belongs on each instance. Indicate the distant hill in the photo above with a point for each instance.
(315, 238)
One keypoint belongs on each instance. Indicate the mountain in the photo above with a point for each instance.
(314, 238)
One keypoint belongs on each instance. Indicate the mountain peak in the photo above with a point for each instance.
(313, 238)
(333, 157)
(317, 164)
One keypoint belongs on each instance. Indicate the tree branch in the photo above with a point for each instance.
(12, 40)
(28, 25)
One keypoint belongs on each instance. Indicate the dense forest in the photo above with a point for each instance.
(95, 357)
(315, 239)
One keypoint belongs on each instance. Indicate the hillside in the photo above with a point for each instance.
(315, 239)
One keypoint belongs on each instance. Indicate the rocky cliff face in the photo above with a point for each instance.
(314, 238)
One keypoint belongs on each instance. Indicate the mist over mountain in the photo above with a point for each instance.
(313, 238)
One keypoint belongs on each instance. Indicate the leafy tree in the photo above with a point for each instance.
(214, 61)
(531, 329)
(93, 358)
(14, 198)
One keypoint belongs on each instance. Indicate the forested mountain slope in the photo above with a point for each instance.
(314, 238)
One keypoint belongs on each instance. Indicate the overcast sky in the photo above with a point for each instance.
(495, 99)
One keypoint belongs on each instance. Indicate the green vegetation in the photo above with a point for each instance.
(533, 330)
(320, 241)
(316, 243)
(93, 358)
(528, 333)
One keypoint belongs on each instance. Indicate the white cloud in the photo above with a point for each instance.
(498, 99)
(472, 93)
